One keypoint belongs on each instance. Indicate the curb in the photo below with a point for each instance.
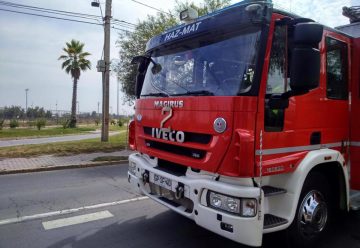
(62, 167)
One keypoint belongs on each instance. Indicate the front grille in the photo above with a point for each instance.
(189, 137)
(179, 150)
(171, 168)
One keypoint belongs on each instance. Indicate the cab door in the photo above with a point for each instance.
(290, 125)
(276, 122)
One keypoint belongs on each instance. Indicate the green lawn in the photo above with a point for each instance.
(9, 133)
(32, 132)
(116, 143)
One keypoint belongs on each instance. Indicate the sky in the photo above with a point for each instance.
(30, 47)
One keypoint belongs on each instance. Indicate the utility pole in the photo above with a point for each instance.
(98, 109)
(26, 96)
(117, 99)
(106, 74)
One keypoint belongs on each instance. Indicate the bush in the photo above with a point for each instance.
(113, 122)
(120, 123)
(97, 121)
(65, 123)
(14, 123)
(40, 123)
(1, 124)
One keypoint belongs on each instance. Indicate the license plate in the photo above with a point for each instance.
(162, 181)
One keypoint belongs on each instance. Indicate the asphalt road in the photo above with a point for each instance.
(102, 193)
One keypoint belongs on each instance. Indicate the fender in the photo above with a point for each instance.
(286, 205)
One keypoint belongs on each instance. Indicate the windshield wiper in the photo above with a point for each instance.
(156, 94)
(195, 93)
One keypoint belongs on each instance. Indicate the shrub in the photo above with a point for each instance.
(14, 123)
(120, 123)
(1, 124)
(40, 123)
(113, 122)
(65, 123)
(97, 121)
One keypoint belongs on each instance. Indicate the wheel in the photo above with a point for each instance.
(313, 212)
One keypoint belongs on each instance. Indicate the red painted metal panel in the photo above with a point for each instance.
(197, 116)
(355, 118)
(306, 114)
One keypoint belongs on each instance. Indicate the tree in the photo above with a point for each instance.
(134, 43)
(74, 63)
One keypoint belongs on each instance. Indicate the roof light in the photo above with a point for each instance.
(188, 15)
(253, 7)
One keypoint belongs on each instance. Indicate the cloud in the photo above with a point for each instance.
(30, 47)
(323, 11)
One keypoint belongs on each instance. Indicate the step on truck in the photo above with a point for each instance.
(247, 122)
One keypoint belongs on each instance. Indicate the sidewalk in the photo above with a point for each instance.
(51, 162)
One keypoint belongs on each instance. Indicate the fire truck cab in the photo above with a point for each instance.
(247, 122)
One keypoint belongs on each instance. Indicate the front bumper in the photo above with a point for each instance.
(245, 230)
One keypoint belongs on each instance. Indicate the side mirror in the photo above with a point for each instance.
(137, 59)
(305, 61)
(305, 69)
(138, 84)
(142, 63)
(308, 34)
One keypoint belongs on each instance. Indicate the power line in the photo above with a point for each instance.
(122, 25)
(125, 22)
(45, 9)
(151, 7)
(61, 12)
(52, 17)
(58, 18)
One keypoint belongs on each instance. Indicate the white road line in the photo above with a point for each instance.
(68, 211)
(76, 220)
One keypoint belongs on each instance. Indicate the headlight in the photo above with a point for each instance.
(240, 206)
(132, 168)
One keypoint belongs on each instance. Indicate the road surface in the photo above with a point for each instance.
(100, 213)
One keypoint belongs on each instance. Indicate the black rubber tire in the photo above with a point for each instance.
(295, 237)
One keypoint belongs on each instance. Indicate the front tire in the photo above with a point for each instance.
(313, 212)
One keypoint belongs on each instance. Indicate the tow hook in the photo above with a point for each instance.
(179, 193)
(145, 177)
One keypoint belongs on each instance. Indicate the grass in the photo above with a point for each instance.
(33, 132)
(110, 158)
(116, 143)
(51, 131)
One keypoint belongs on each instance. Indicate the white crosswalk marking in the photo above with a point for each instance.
(69, 211)
(52, 224)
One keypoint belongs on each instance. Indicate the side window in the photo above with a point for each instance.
(278, 81)
(336, 69)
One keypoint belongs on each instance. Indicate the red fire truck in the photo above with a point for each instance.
(247, 122)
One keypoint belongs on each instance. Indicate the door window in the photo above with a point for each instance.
(336, 69)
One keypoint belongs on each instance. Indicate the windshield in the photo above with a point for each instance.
(219, 67)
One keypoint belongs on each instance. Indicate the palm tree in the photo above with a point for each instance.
(74, 62)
